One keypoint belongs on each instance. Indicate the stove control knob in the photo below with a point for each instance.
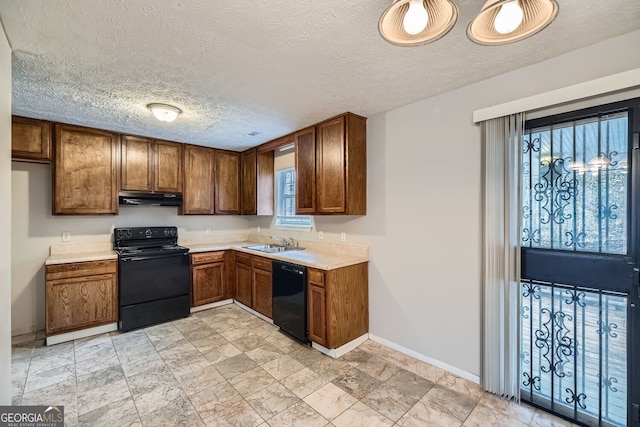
(148, 232)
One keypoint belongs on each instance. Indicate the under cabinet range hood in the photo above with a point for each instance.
(150, 199)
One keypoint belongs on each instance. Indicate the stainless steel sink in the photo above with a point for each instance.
(269, 248)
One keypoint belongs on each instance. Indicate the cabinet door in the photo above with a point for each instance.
(198, 181)
(262, 292)
(227, 182)
(330, 167)
(208, 283)
(30, 140)
(136, 169)
(306, 171)
(316, 315)
(168, 167)
(265, 184)
(248, 182)
(243, 284)
(85, 171)
(80, 302)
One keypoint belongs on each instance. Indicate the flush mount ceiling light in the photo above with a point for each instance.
(417, 22)
(507, 21)
(164, 112)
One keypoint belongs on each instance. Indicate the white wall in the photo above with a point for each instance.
(5, 220)
(35, 230)
(424, 206)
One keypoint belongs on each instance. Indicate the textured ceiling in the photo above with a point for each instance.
(241, 66)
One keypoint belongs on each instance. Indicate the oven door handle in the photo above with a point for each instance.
(145, 258)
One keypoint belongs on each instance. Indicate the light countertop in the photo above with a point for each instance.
(80, 257)
(313, 257)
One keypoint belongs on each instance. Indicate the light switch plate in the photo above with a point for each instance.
(66, 236)
(320, 235)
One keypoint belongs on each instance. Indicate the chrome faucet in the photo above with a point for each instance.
(292, 243)
(282, 240)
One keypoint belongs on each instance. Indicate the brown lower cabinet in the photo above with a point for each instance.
(261, 290)
(80, 295)
(210, 280)
(253, 282)
(337, 305)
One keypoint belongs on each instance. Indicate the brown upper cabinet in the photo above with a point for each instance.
(306, 171)
(257, 182)
(227, 182)
(150, 165)
(331, 167)
(198, 181)
(85, 171)
(168, 167)
(30, 140)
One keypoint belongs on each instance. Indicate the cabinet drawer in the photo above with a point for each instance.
(242, 258)
(206, 257)
(316, 277)
(262, 263)
(80, 269)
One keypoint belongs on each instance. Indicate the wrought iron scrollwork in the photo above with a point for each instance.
(577, 398)
(556, 353)
(577, 239)
(555, 190)
(531, 381)
(609, 383)
(576, 296)
(607, 328)
(531, 290)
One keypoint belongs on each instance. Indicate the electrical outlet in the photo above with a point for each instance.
(343, 237)
(320, 235)
(207, 230)
(66, 236)
(258, 229)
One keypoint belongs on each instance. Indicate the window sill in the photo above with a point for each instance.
(294, 227)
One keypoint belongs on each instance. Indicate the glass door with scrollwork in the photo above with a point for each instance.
(579, 285)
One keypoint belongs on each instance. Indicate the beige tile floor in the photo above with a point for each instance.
(226, 367)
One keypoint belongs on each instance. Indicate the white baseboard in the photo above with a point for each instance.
(342, 350)
(252, 311)
(452, 369)
(84, 333)
(211, 305)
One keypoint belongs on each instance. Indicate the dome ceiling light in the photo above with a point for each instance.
(164, 112)
(417, 22)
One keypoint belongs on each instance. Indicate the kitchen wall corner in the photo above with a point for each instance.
(5, 220)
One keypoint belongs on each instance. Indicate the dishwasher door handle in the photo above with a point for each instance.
(291, 270)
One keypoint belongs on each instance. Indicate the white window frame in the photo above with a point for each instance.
(286, 218)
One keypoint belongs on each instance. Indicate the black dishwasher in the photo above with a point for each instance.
(290, 299)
